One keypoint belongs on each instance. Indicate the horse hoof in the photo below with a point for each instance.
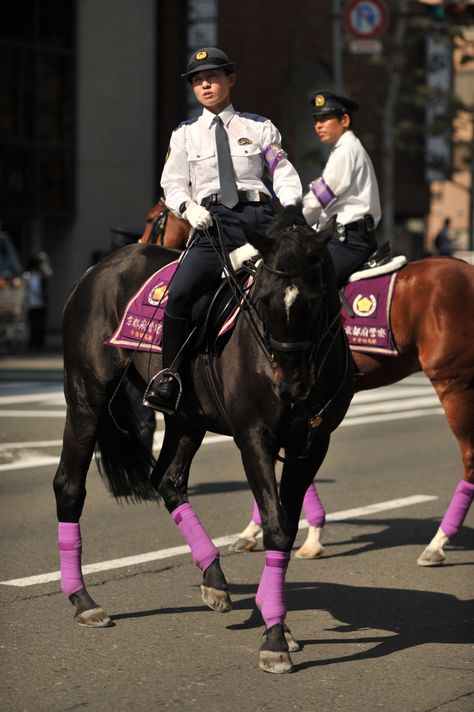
(431, 557)
(217, 600)
(293, 645)
(275, 662)
(88, 613)
(310, 551)
(242, 544)
(94, 618)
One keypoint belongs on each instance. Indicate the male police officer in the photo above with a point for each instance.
(347, 188)
(215, 169)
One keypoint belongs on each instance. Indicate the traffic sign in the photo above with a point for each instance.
(365, 19)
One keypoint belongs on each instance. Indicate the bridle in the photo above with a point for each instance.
(158, 226)
(248, 299)
(291, 346)
(328, 330)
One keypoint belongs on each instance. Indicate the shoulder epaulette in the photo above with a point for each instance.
(253, 117)
(187, 122)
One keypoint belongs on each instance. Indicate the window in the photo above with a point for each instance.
(37, 108)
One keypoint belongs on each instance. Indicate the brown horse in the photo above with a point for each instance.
(164, 228)
(432, 328)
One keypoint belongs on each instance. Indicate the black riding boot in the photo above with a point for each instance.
(164, 390)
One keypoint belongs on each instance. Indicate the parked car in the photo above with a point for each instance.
(13, 309)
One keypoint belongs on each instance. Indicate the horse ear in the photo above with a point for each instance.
(326, 233)
(259, 241)
(322, 239)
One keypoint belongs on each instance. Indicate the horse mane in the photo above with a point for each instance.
(290, 216)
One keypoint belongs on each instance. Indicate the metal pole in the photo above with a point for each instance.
(337, 45)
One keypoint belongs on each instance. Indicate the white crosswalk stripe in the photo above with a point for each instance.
(412, 398)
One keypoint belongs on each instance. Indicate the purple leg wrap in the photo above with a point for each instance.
(313, 507)
(256, 518)
(458, 508)
(270, 597)
(203, 550)
(70, 550)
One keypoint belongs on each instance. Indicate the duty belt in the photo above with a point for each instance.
(365, 224)
(245, 196)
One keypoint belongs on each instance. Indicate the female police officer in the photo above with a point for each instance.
(347, 188)
(214, 169)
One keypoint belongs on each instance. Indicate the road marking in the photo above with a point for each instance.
(26, 461)
(32, 414)
(220, 541)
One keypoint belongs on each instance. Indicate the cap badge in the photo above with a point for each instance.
(202, 54)
(244, 141)
(320, 100)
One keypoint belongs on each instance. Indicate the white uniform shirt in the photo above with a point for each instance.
(347, 188)
(191, 172)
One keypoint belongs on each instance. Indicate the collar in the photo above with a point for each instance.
(226, 115)
(344, 138)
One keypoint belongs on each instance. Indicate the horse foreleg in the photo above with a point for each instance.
(458, 404)
(280, 524)
(170, 477)
(70, 491)
(296, 476)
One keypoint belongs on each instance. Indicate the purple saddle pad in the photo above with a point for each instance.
(141, 325)
(369, 329)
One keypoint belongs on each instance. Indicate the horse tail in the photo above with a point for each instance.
(123, 458)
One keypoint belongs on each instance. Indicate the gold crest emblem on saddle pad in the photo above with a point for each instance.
(364, 305)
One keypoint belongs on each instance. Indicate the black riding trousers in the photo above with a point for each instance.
(201, 268)
(351, 254)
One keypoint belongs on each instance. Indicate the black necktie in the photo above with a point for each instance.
(229, 196)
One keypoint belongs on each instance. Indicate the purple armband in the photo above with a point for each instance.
(322, 192)
(273, 155)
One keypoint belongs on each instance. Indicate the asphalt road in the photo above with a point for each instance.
(377, 631)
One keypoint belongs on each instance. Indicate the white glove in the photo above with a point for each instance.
(197, 216)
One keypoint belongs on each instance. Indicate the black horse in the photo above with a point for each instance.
(285, 381)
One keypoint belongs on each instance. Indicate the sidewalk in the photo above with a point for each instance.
(44, 366)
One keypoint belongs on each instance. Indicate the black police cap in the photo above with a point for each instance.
(327, 103)
(208, 58)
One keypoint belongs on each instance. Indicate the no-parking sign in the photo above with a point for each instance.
(365, 19)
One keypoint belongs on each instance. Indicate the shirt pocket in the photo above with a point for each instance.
(202, 165)
(247, 161)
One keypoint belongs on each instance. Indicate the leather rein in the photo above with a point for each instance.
(269, 345)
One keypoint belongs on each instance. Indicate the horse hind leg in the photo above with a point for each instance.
(70, 492)
(458, 404)
(312, 547)
(170, 478)
(247, 539)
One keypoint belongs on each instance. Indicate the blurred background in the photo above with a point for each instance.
(90, 91)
